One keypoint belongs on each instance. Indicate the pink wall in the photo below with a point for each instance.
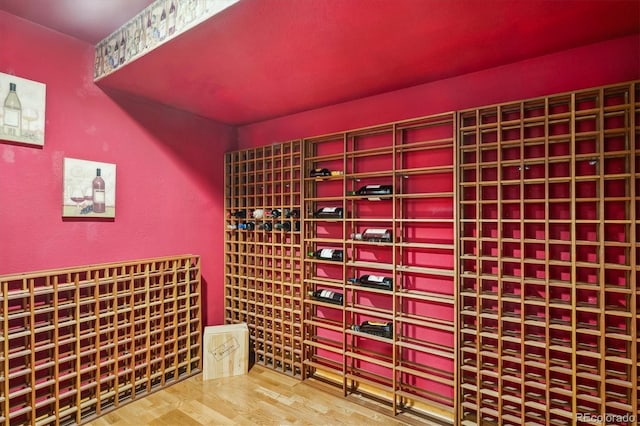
(169, 170)
(608, 62)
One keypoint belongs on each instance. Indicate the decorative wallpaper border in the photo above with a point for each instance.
(156, 24)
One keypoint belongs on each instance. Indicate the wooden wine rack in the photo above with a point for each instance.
(263, 268)
(549, 248)
(416, 367)
(514, 256)
(79, 342)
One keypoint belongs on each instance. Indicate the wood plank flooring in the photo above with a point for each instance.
(261, 397)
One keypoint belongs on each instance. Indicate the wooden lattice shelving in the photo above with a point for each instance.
(548, 259)
(414, 365)
(262, 252)
(79, 342)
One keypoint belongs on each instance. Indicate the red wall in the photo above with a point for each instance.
(169, 170)
(598, 64)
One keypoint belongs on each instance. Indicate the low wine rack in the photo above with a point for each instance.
(79, 342)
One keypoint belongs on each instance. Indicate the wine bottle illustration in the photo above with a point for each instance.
(98, 193)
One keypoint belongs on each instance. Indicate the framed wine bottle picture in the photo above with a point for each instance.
(89, 189)
(22, 110)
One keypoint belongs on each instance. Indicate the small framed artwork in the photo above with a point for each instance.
(22, 110)
(89, 189)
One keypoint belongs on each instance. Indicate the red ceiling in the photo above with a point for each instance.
(262, 59)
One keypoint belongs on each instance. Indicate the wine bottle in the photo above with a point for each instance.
(12, 112)
(288, 213)
(327, 296)
(162, 27)
(171, 21)
(98, 193)
(327, 254)
(275, 213)
(382, 329)
(284, 226)
(266, 226)
(324, 172)
(329, 213)
(374, 190)
(247, 226)
(373, 234)
(240, 214)
(296, 226)
(373, 281)
(232, 227)
(123, 49)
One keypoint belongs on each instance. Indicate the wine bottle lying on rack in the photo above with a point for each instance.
(327, 254)
(247, 226)
(291, 213)
(373, 234)
(369, 190)
(265, 226)
(329, 213)
(323, 172)
(381, 329)
(240, 214)
(373, 281)
(284, 226)
(327, 296)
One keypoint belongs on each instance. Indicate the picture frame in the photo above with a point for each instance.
(89, 189)
(22, 110)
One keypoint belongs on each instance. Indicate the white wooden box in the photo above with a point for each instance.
(225, 351)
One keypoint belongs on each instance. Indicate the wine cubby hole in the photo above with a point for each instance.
(548, 257)
(263, 272)
(79, 342)
(393, 341)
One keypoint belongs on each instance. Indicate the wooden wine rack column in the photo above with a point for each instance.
(549, 248)
(263, 267)
(413, 368)
(76, 343)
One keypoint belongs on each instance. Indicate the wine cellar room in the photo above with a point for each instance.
(385, 212)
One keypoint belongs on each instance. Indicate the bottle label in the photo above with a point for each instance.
(375, 232)
(326, 253)
(98, 196)
(376, 278)
(326, 294)
(329, 209)
(11, 117)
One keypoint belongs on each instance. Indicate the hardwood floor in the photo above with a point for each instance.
(262, 397)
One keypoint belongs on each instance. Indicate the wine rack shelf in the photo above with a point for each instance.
(262, 252)
(549, 237)
(395, 342)
(509, 234)
(79, 342)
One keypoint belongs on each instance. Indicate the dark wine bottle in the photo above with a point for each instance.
(373, 281)
(319, 172)
(369, 190)
(275, 213)
(327, 296)
(291, 213)
(98, 194)
(248, 226)
(266, 226)
(329, 213)
(327, 254)
(284, 226)
(240, 214)
(373, 234)
(382, 329)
